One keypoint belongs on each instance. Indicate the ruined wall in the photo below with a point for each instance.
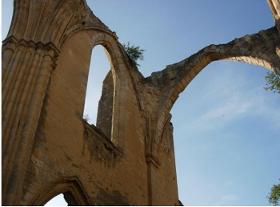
(128, 158)
(71, 147)
(105, 106)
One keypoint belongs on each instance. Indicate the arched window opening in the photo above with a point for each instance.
(100, 88)
(226, 134)
(58, 200)
(62, 199)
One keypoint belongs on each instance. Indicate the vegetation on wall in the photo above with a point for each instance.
(134, 53)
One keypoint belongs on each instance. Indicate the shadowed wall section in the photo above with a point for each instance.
(46, 140)
(105, 106)
(128, 158)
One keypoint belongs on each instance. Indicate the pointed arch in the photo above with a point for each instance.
(98, 107)
(260, 49)
(69, 83)
(72, 189)
(57, 200)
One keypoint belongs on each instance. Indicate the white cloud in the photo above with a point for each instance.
(226, 112)
(227, 199)
(236, 101)
(222, 114)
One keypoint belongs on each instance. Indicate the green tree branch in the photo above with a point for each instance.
(134, 53)
(273, 82)
(274, 196)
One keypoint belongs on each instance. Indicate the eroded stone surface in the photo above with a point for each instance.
(128, 159)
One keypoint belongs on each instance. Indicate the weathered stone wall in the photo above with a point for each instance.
(105, 106)
(128, 158)
(64, 146)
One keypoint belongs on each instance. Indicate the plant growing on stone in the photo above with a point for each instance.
(134, 53)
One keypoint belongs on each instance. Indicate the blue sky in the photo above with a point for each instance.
(226, 126)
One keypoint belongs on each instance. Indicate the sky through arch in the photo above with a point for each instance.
(99, 68)
(224, 116)
(58, 200)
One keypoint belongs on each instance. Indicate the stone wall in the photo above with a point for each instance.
(128, 158)
(105, 106)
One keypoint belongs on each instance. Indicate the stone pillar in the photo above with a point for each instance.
(26, 71)
(105, 106)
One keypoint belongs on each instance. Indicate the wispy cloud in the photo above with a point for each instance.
(220, 107)
(227, 199)
(222, 114)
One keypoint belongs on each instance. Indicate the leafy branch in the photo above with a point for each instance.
(273, 82)
(274, 196)
(134, 53)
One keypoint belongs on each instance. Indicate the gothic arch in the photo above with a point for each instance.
(72, 189)
(88, 39)
(262, 48)
(45, 67)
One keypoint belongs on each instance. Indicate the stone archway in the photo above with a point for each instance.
(260, 49)
(50, 64)
(71, 188)
(45, 66)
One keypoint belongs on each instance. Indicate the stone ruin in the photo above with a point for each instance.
(128, 157)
